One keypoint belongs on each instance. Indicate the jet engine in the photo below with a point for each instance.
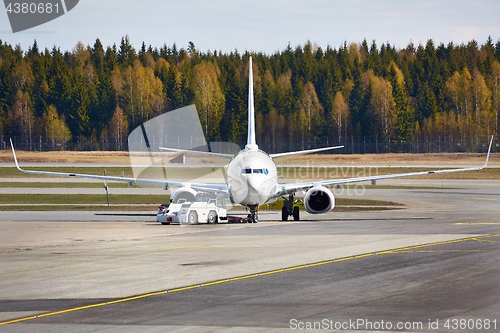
(183, 194)
(319, 200)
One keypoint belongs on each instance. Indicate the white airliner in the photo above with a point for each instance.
(252, 178)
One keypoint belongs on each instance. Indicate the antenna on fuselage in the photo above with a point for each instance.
(251, 143)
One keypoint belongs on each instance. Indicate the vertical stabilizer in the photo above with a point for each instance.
(251, 143)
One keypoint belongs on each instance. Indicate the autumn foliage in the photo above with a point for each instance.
(305, 96)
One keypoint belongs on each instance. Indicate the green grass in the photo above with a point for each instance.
(80, 202)
(76, 208)
(100, 184)
(355, 203)
(351, 172)
(63, 185)
(129, 202)
(131, 199)
(398, 187)
(153, 172)
(12, 172)
(81, 199)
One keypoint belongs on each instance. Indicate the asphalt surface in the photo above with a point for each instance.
(432, 266)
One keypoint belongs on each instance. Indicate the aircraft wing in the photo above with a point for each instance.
(196, 186)
(284, 189)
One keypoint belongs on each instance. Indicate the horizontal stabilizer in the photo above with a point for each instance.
(302, 152)
(205, 153)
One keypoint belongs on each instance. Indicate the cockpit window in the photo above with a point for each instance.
(254, 171)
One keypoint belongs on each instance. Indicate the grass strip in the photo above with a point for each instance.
(145, 173)
(81, 199)
(63, 184)
(75, 202)
(345, 202)
(121, 199)
(77, 208)
(12, 172)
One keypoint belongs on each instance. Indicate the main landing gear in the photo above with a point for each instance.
(289, 210)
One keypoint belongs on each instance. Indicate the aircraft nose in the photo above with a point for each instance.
(258, 189)
(254, 184)
(251, 189)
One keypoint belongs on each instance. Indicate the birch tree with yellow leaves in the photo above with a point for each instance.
(208, 96)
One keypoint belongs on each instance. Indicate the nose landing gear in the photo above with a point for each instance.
(254, 215)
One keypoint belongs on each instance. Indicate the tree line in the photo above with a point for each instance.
(304, 96)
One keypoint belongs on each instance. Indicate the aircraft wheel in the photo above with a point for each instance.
(284, 213)
(296, 213)
(255, 218)
(192, 217)
(212, 217)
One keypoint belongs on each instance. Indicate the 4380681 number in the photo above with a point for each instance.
(32, 8)
(470, 324)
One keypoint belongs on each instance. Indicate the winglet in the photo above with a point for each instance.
(15, 158)
(488, 155)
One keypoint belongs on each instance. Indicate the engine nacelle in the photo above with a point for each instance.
(184, 194)
(319, 200)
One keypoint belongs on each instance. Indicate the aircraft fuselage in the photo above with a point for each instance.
(252, 178)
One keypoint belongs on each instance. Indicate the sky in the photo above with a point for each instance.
(266, 26)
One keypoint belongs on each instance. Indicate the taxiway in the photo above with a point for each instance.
(436, 260)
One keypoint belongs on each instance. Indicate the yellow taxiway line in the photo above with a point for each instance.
(250, 276)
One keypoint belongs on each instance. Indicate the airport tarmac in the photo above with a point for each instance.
(434, 262)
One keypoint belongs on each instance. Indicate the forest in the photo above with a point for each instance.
(369, 97)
